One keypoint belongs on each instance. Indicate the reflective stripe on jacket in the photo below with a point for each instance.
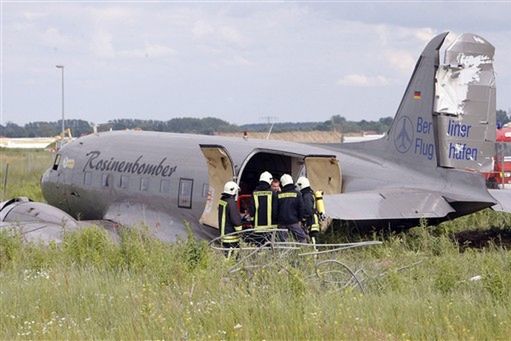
(263, 207)
(229, 219)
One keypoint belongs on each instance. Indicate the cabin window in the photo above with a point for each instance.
(106, 180)
(205, 190)
(56, 162)
(184, 199)
(87, 178)
(124, 181)
(165, 186)
(144, 184)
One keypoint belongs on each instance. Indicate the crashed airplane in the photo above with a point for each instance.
(425, 167)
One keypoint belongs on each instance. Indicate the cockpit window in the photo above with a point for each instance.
(56, 162)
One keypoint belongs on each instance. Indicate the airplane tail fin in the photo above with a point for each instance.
(447, 115)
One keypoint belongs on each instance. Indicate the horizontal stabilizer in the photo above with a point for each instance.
(386, 204)
(503, 197)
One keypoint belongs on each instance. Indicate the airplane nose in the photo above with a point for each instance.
(45, 181)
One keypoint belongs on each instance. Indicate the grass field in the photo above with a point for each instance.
(24, 170)
(418, 285)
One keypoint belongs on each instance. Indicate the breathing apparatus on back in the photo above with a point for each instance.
(320, 205)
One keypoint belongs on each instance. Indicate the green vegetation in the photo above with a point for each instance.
(207, 126)
(421, 284)
(140, 288)
(24, 171)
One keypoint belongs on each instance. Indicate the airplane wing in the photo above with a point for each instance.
(161, 224)
(38, 231)
(503, 197)
(386, 204)
(36, 221)
(40, 222)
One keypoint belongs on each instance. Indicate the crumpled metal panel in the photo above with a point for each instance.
(465, 105)
(386, 204)
(503, 198)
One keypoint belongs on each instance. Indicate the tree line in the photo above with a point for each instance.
(207, 126)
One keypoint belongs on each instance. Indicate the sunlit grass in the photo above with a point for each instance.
(418, 285)
(140, 288)
(24, 170)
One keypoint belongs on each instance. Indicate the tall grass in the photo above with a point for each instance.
(25, 168)
(140, 288)
(418, 285)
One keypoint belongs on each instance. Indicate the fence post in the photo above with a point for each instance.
(5, 179)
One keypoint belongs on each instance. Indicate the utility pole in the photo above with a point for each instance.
(63, 126)
(271, 121)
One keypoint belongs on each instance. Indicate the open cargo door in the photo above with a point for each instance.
(324, 173)
(220, 170)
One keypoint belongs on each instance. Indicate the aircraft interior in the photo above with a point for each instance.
(323, 172)
(276, 164)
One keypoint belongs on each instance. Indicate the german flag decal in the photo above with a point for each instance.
(417, 95)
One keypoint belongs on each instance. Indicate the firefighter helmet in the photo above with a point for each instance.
(286, 179)
(231, 188)
(302, 183)
(266, 177)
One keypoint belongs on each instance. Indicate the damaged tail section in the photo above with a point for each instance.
(465, 104)
(447, 115)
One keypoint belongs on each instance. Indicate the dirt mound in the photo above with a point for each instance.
(483, 238)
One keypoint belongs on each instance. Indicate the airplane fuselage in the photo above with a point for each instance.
(163, 179)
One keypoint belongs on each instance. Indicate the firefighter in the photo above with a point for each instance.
(229, 219)
(263, 209)
(310, 213)
(291, 209)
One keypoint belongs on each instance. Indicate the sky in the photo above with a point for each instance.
(241, 62)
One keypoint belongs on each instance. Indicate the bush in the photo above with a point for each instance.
(10, 247)
(89, 246)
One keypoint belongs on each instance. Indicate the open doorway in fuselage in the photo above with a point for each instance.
(220, 170)
(276, 163)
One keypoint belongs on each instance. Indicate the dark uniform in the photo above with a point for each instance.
(310, 213)
(229, 221)
(291, 212)
(264, 210)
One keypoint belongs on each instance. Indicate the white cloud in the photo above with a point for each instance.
(122, 13)
(425, 34)
(239, 60)
(101, 45)
(201, 28)
(34, 15)
(53, 37)
(401, 60)
(30, 81)
(363, 80)
(149, 51)
(287, 49)
(219, 31)
(383, 32)
(231, 35)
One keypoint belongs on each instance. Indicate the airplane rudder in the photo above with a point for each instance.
(465, 105)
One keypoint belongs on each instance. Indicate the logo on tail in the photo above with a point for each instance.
(404, 136)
